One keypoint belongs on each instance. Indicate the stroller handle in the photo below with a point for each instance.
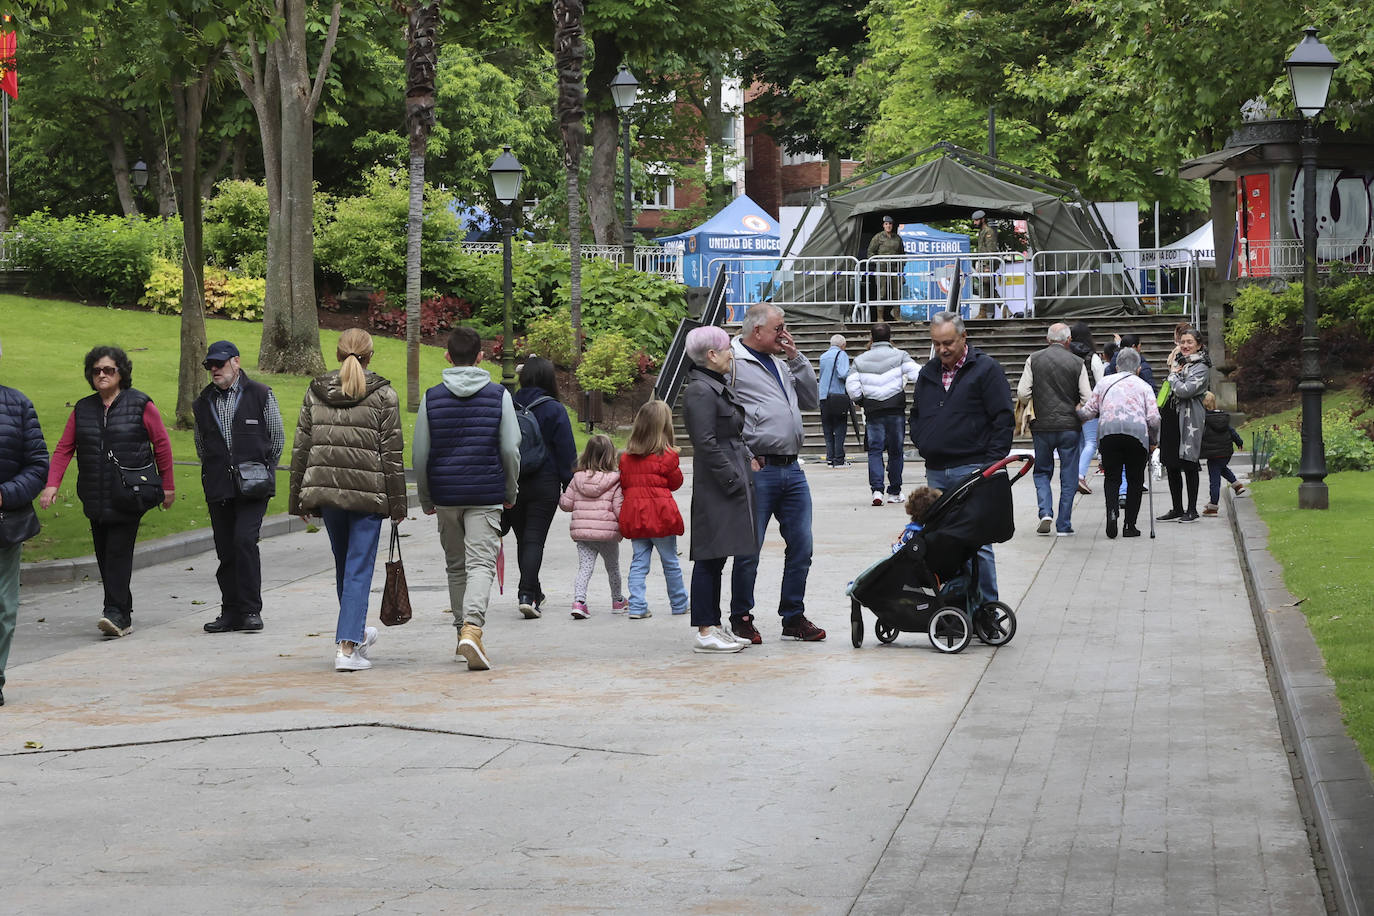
(1027, 462)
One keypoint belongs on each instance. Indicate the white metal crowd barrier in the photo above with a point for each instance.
(916, 286)
(1160, 279)
(826, 281)
(1284, 257)
(648, 258)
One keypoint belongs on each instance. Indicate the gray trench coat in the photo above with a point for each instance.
(722, 481)
(1187, 386)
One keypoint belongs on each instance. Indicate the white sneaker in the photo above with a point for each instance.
(729, 636)
(1046, 523)
(896, 498)
(354, 662)
(369, 637)
(714, 641)
(877, 497)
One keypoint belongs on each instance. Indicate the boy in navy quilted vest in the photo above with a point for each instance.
(467, 469)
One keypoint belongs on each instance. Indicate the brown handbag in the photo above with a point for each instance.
(395, 596)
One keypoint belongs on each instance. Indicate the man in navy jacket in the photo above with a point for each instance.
(961, 418)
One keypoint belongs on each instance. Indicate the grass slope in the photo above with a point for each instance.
(44, 344)
(1328, 564)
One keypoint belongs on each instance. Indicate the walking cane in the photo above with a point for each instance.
(1149, 466)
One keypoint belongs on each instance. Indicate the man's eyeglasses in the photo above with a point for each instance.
(105, 370)
(213, 363)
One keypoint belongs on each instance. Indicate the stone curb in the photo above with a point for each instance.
(162, 550)
(1337, 785)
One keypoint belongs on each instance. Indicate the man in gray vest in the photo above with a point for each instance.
(238, 423)
(1056, 382)
(467, 469)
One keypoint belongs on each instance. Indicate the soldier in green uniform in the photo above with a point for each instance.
(985, 287)
(887, 274)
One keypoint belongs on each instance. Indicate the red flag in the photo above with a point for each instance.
(9, 74)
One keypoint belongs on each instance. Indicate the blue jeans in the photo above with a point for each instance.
(885, 434)
(639, 571)
(353, 536)
(942, 480)
(1066, 442)
(781, 491)
(1087, 446)
(1217, 468)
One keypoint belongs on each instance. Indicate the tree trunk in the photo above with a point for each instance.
(284, 100)
(569, 52)
(189, 102)
(119, 163)
(159, 170)
(602, 212)
(834, 159)
(422, 60)
(210, 177)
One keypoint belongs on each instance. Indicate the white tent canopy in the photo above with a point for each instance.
(1200, 243)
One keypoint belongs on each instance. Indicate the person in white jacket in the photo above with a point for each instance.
(877, 381)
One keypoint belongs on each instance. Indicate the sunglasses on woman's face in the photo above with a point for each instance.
(105, 370)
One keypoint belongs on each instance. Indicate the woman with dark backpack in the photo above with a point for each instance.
(117, 435)
(540, 487)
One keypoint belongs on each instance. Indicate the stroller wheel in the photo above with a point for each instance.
(885, 632)
(856, 623)
(994, 623)
(949, 630)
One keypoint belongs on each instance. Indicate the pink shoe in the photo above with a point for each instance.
(579, 610)
(620, 606)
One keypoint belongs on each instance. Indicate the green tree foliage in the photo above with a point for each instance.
(816, 102)
(236, 227)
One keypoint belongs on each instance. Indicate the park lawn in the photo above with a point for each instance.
(1345, 400)
(1328, 564)
(44, 342)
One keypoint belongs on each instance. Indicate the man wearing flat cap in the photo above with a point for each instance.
(887, 274)
(239, 438)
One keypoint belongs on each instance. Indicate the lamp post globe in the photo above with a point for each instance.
(624, 90)
(1309, 76)
(506, 175)
(139, 174)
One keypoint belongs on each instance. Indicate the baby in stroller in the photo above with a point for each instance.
(918, 503)
(929, 583)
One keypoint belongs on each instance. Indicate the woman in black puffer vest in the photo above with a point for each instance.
(120, 420)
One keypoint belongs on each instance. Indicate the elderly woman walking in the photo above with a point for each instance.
(113, 432)
(347, 467)
(1124, 405)
(722, 485)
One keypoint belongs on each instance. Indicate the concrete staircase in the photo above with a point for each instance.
(1009, 341)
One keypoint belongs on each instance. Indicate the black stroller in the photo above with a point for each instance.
(930, 585)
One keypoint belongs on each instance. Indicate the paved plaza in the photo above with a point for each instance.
(1121, 755)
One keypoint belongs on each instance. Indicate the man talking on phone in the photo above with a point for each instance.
(774, 383)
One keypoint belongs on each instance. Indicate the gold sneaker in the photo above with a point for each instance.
(470, 648)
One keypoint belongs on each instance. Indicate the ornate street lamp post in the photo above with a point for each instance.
(506, 174)
(624, 89)
(1309, 74)
(139, 173)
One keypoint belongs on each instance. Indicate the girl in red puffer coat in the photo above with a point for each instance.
(593, 497)
(649, 516)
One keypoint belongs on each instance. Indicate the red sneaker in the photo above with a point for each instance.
(744, 629)
(800, 628)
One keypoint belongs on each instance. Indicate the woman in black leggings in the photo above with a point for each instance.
(1181, 422)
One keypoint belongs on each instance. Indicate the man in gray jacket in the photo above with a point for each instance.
(773, 382)
(1057, 381)
(877, 380)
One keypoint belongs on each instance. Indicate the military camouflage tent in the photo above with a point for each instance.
(951, 187)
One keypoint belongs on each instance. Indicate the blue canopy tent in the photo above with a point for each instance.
(742, 229)
(478, 225)
(930, 279)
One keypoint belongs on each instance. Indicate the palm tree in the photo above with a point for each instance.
(422, 59)
(569, 52)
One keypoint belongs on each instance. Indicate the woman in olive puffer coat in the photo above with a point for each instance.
(347, 467)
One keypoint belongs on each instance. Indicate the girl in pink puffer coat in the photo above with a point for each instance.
(594, 498)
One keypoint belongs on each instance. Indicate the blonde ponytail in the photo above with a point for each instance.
(354, 353)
